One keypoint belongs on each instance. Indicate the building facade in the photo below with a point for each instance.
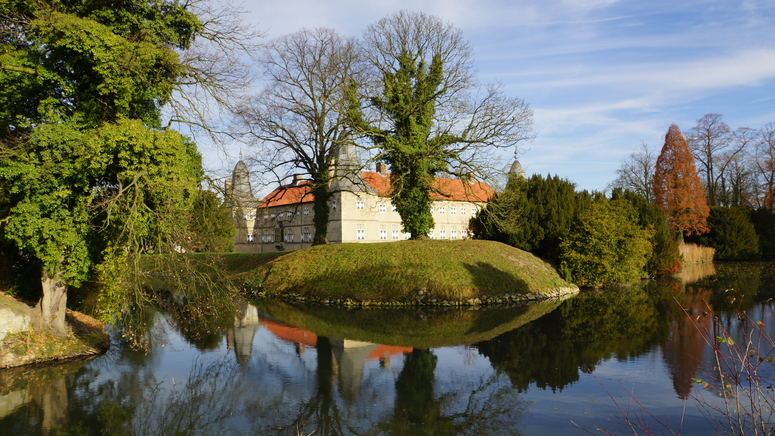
(360, 210)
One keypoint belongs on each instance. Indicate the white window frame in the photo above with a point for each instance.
(360, 232)
(462, 210)
(306, 211)
(382, 232)
(359, 204)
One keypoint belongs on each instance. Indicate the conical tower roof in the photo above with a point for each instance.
(241, 191)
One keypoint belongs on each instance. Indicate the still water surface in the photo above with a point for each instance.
(560, 367)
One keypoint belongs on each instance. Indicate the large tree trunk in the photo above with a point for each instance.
(53, 304)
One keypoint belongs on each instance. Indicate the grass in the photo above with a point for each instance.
(416, 327)
(428, 271)
(693, 253)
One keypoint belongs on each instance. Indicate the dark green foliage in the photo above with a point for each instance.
(764, 222)
(665, 257)
(212, 229)
(532, 215)
(409, 100)
(605, 245)
(732, 234)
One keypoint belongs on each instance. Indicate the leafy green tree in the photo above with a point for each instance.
(665, 256)
(88, 171)
(212, 229)
(605, 246)
(428, 115)
(732, 234)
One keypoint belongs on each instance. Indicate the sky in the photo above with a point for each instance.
(601, 76)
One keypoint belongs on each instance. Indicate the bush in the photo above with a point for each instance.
(605, 246)
(665, 257)
(731, 234)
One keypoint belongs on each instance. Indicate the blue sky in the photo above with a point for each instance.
(600, 75)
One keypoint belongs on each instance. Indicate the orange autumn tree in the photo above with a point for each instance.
(677, 187)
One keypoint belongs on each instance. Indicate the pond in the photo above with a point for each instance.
(577, 366)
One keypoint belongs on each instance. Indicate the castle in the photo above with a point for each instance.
(360, 208)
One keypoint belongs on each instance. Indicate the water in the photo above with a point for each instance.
(569, 367)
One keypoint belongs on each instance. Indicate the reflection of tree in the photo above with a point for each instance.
(417, 411)
(584, 331)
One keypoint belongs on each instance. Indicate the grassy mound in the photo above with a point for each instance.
(428, 271)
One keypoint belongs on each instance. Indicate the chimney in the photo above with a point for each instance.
(382, 168)
(296, 179)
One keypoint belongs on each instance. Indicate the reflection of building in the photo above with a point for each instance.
(360, 209)
(240, 337)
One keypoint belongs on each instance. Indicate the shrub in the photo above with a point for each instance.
(731, 234)
(605, 246)
(665, 257)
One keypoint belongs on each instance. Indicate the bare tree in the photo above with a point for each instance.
(215, 71)
(636, 173)
(428, 115)
(298, 120)
(765, 165)
(714, 146)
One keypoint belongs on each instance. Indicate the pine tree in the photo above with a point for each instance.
(677, 187)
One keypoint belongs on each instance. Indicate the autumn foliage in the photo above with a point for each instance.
(677, 187)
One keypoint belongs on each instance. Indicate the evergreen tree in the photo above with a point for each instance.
(732, 234)
(764, 222)
(677, 187)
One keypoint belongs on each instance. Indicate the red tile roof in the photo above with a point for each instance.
(444, 189)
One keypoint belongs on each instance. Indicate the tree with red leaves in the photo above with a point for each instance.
(677, 187)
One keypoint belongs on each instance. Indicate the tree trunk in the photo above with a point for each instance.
(53, 304)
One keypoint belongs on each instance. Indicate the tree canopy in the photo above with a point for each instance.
(677, 187)
(428, 115)
(87, 169)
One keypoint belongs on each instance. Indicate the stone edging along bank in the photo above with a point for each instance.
(421, 301)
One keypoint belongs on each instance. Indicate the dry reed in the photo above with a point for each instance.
(693, 253)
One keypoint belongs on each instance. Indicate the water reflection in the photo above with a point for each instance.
(268, 367)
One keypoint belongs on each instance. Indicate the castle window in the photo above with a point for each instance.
(266, 216)
(281, 214)
(382, 231)
(289, 235)
(454, 233)
(382, 207)
(250, 238)
(395, 209)
(407, 235)
(360, 232)
(274, 215)
(430, 234)
(306, 236)
(359, 204)
(474, 210)
(278, 235)
(431, 209)
(290, 213)
(452, 209)
(463, 234)
(306, 211)
(395, 231)
(442, 233)
(462, 210)
(442, 209)
(333, 204)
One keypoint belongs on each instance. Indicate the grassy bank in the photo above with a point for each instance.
(408, 272)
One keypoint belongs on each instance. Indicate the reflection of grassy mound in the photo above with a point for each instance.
(409, 271)
(418, 328)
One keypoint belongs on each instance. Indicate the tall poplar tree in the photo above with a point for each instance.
(678, 189)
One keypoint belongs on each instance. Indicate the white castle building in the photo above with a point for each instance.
(360, 208)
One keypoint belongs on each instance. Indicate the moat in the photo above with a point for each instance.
(555, 367)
